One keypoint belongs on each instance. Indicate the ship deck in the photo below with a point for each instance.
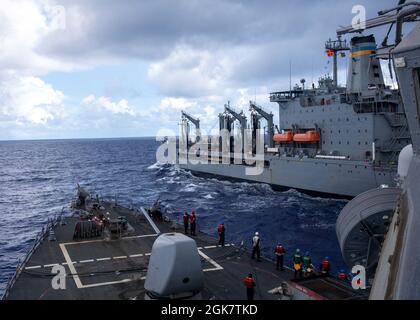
(104, 268)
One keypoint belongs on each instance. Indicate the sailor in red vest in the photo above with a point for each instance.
(250, 287)
(185, 219)
(325, 267)
(221, 230)
(193, 222)
(342, 275)
(279, 251)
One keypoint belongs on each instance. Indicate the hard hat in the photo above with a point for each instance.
(297, 250)
(257, 234)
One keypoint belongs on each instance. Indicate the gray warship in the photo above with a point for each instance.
(123, 258)
(332, 140)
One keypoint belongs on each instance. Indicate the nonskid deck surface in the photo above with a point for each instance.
(101, 268)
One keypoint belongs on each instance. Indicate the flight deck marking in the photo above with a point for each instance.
(103, 259)
(73, 271)
(103, 240)
(85, 261)
(80, 285)
(214, 263)
(120, 257)
(137, 255)
(33, 267)
(154, 226)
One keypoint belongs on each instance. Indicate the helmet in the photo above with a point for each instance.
(257, 234)
(326, 258)
(307, 253)
(341, 270)
(297, 250)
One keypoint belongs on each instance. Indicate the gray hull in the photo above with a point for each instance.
(334, 177)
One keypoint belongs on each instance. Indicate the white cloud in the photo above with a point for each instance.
(190, 72)
(29, 99)
(105, 103)
(24, 25)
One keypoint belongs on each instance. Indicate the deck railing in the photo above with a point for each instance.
(22, 262)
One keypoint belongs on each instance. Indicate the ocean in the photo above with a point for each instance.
(38, 179)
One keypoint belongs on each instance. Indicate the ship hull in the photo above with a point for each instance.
(336, 178)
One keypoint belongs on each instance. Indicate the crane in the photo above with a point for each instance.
(195, 121)
(267, 116)
(242, 121)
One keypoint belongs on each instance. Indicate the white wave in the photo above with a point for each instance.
(208, 196)
(191, 187)
(155, 166)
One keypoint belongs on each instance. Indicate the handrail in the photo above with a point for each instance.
(51, 222)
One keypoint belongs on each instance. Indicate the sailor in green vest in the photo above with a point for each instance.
(308, 268)
(297, 264)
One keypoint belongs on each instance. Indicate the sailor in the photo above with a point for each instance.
(297, 264)
(325, 267)
(256, 242)
(185, 219)
(308, 268)
(193, 222)
(279, 251)
(342, 275)
(221, 230)
(250, 287)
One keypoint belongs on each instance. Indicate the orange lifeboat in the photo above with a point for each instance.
(311, 136)
(283, 137)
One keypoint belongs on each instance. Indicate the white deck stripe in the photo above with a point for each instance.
(86, 261)
(103, 240)
(216, 265)
(103, 259)
(111, 282)
(120, 257)
(150, 220)
(79, 284)
(32, 267)
(71, 266)
(50, 265)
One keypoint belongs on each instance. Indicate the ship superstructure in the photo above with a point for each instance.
(329, 139)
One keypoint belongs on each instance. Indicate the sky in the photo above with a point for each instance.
(106, 68)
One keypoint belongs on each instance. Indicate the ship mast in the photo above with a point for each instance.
(333, 47)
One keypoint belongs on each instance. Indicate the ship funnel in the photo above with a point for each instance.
(365, 71)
